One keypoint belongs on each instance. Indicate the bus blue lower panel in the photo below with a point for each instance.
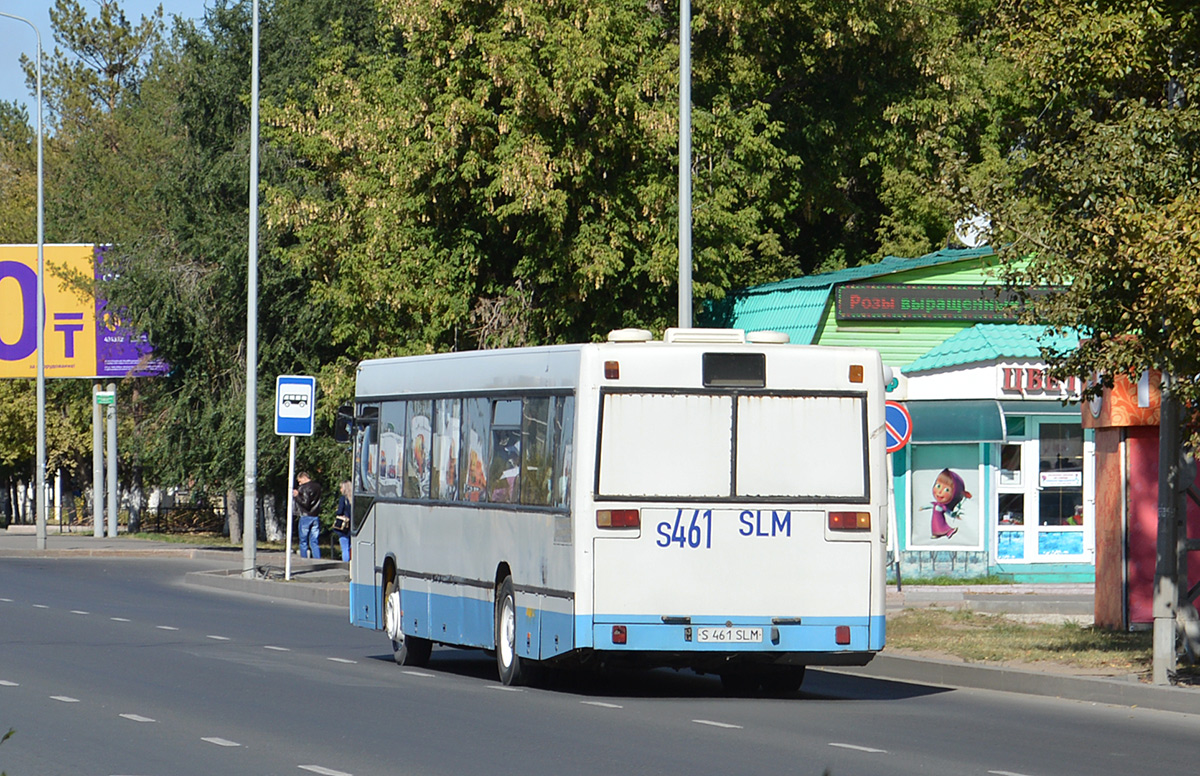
(464, 621)
(815, 634)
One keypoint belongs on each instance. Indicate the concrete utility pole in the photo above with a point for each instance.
(250, 511)
(112, 462)
(685, 164)
(1166, 585)
(97, 465)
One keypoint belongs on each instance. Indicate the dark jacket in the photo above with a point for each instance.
(308, 499)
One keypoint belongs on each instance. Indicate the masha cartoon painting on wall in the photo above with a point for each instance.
(948, 493)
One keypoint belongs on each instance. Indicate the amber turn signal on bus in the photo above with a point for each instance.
(856, 373)
(618, 518)
(612, 370)
(849, 521)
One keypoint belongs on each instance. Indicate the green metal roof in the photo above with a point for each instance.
(990, 342)
(797, 306)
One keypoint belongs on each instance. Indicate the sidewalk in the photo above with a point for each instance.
(327, 582)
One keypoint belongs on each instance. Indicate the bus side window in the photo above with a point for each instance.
(447, 417)
(536, 473)
(563, 444)
(391, 446)
(504, 473)
(417, 449)
(476, 450)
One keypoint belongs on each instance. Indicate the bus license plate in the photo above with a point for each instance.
(730, 635)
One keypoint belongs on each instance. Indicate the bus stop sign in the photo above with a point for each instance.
(898, 424)
(295, 405)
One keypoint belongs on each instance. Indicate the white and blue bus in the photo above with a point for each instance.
(714, 501)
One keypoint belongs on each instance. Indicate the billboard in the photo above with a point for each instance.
(82, 338)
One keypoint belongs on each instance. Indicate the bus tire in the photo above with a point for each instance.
(513, 671)
(407, 650)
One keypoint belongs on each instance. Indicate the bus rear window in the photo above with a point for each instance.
(786, 447)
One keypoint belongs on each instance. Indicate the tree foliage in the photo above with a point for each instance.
(1093, 176)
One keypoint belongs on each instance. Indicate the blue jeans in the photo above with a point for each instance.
(344, 541)
(310, 534)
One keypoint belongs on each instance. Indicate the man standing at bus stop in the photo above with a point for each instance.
(308, 504)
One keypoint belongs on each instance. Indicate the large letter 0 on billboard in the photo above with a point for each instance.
(18, 291)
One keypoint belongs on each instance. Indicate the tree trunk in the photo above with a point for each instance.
(271, 522)
(233, 516)
(137, 499)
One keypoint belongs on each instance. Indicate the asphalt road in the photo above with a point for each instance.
(113, 666)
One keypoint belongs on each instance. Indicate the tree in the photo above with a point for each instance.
(505, 173)
(1098, 188)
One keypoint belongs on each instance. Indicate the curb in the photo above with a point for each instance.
(1115, 691)
(323, 593)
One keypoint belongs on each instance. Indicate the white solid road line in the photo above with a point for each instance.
(711, 723)
(857, 748)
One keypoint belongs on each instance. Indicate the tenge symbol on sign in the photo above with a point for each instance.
(898, 424)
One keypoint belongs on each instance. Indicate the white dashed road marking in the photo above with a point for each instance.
(79, 611)
(857, 748)
(137, 718)
(166, 627)
(220, 741)
(277, 649)
(64, 698)
(323, 771)
(6, 683)
(421, 674)
(1007, 773)
(717, 724)
(40, 606)
(602, 705)
(217, 638)
(119, 619)
(355, 662)
(502, 688)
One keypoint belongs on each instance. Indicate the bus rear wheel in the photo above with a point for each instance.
(513, 670)
(407, 650)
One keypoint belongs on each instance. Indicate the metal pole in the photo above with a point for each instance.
(287, 553)
(1166, 594)
(97, 466)
(112, 463)
(41, 303)
(250, 513)
(685, 164)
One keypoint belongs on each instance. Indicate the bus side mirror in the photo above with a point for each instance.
(343, 424)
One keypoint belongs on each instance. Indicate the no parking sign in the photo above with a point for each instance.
(898, 424)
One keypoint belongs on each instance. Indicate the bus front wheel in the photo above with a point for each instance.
(407, 650)
(513, 671)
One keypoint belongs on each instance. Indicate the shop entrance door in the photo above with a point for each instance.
(1040, 495)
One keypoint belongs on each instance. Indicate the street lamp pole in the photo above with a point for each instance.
(41, 303)
(685, 164)
(250, 511)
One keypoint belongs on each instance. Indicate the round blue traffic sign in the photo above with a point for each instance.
(898, 424)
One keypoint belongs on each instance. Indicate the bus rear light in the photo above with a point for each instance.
(619, 634)
(618, 518)
(841, 635)
(856, 373)
(849, 521)
(612, 370)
